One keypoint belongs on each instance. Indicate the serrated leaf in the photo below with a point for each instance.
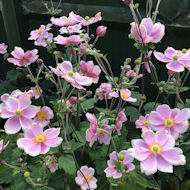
(132, 112)
(149, 107)
(18, 182)
(136, 95)
(67, 163)
(89, 104)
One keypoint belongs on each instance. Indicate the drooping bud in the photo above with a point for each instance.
(101, 30)
(83, 49)
(72, 51)
(89, 93)
(39, 62)
(73, 100)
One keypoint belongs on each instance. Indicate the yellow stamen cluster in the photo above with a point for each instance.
(169, 122)
(39, 31)
(42, 116)
(87, 178)
(155, 148)
(40, 138)
(124, 95)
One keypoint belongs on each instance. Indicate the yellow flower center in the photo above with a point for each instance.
(124, 95)
(155, 148)
(53, 163)
(145, 123)
(70, 28)
(1, 48)
(101, 132)
(39, 31)
(169, 122)
(42, 116)
(87, 178)
(187, 123)
(40, 138)
(70, 73)
(18, 112)
(67, 20)
(36, 91)
(67, 102)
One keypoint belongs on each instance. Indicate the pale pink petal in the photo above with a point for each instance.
(149, 166)
(161, 57)
(24, 102)
(164, 166)
(52, 133)
(25, 122)
(164, 110)
(17, 53)
(149, 137)
(44, 149)
(30, 111)
(12, 125)
(24, 142)
(170, 52)
(66, 67)
(53, 142)
(33, 150)
(182, 116)
(12, 104)
(6, 114)
(175, 66)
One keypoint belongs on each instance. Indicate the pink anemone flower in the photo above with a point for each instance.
(51, 163)
(124, 159)
(71, 29)
(94, 133)
(65, 70)
(142, 123)
(3, 48)
(148, 31)
(104, 91)
(126, 95)
(175, 121)
(90, 70)
(176, 61)
(121, 118)
(85, 178)
(22, 58)
(36, 91)
(43, 117)
(156, 151)
(20, 113)
(36, 141)
(63, 21)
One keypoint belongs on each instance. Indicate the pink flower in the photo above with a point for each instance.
(146, 61)
(43, 117)
(148, 31)
(2, 147)
(36, 91)
(22, 58)
(126, 95)
(142, 123)
(3, 48)
(71, 29)
(63, 21)
(176, 61)
(85, 178)
(89, 69)
(121, 118)
(175, 121)
(101, 30)
(132, 74)
(76, 39)
(157, 152)
(51, 163)
(104, 91)
(87, 20)
(95, 132)
(124, 159)
(20, 113)
(36, 141)
(65, 70)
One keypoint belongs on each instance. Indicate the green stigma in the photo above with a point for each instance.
(184, 50)
(155, 148)
(81, 35)
(70, 73)
(175, 57)
(169, 121)
(121, 157)
(87, 17)
(18, 112)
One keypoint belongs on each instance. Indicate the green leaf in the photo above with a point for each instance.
(18, 182)
(5, 174)
(136, 95)
(185, 185)
(67, 163)
(132, 112)
(149, 107)
(74, 146)
(89, 104)
(179, 172)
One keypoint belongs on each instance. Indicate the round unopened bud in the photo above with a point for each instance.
(137, 61)
(20, 160)
(73, 99)
(72, 51)
(28, 76)
(55, 52)
(177, 84)
(39, 180)
(121, 157)
(161, 89)
(41, 162)
(128, 60)
(48, 77)
(51, 153)
(83, 49)
(81, 35)
(39, 62)
(143, 98)
(89, 93)
(172, 73)
(91, 36)
(102, 114)
(26, 174)
(81, 100)
(162, 83)
(112, 127)
(3, 162)
(127, 67)
(101, 30)
(184, 50)
(119, 183)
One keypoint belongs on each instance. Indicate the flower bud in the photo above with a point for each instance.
(89, 93)
(101, 30)
(39, 62)
(119, 183)
(73, 100)
(177, 84)
(143, 98)
(26, 174)
(55, 52)
(28, 76)
(127, 67)
(83, 49)
(91, 36)
(81, 35)
(127, 2)
(172, 73)
(137, 61)
(47, 77)
(19, 160)
(72, 51)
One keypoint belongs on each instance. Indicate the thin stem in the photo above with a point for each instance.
(184, 80)
(156, 11)
(59, 4)
(96, 39)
